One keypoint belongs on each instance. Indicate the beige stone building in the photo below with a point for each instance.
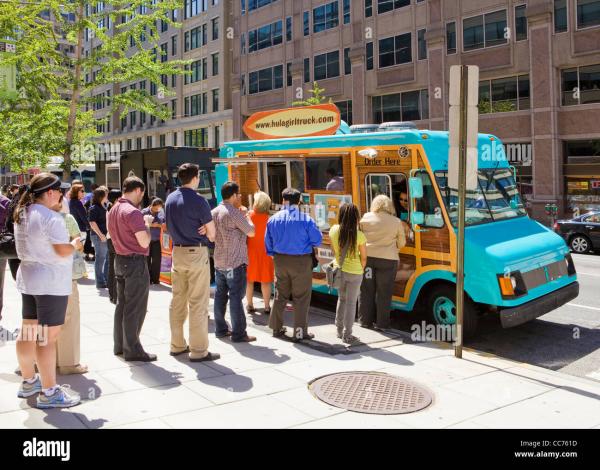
(201, 103)
(389, 60)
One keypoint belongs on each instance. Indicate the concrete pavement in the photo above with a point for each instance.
(264, 384)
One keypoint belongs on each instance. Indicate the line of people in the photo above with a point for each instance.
(249, 247)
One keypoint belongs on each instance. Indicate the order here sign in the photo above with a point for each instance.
(305, 121)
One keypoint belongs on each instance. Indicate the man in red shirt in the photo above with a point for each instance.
(130, 234)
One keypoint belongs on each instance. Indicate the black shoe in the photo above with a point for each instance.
(209, 357)
(147, 357)
(186, 350)
(120, 353)
(279, 333)
(306, 337)
(113, 301)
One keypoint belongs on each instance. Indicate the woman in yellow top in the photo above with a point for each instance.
(350, 244)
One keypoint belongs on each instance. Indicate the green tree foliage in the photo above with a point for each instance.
(53, 111)
(316, 98)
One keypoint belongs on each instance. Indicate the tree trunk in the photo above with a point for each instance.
(75, 96)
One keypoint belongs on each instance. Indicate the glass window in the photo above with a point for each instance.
(560, 16)
(588, 13)
(346, 11)
(306, 70)
(395, 50)
(520, 23)
(383, 6)
(377, 185)
(524, 102)
(306, 21)
(327, 65)
(321, 171)
(347, 63)
(369, 56)
(496, 197)
(589, 84)
(345, 108)
(215, 28)
(288, 28)
(451, 38)
(368, 8)
(289, 73)
(570, 87)
(410, 106)
(422, 45)
(325, 17)
(495, 28)
(504, 94)
(473, 37)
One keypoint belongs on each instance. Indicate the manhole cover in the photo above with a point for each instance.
(371, 392)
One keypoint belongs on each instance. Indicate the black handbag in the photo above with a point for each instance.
(8, 249)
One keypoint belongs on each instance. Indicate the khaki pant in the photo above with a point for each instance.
(68, 344)
(190, 276)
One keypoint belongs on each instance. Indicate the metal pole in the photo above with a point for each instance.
(462, 183)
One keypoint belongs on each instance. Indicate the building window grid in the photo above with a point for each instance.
(326, 17)
(405, 106)
(504, 94)
(486, 30)
(580, 85)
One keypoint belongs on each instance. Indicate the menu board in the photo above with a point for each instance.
(327, 209)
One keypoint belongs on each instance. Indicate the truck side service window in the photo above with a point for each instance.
(429, 203)
(324, 174)
(391, 185)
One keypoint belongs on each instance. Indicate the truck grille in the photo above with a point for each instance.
(550, 272)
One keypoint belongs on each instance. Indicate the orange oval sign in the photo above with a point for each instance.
(305, 121)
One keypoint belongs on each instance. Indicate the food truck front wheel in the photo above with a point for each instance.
(440, 305)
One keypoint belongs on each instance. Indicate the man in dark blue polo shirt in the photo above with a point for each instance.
(190, 225)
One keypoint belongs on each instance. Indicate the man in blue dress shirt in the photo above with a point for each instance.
(290, 238)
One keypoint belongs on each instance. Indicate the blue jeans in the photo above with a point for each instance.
(231, 285)
(101, 261)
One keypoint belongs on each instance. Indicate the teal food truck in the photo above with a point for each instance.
(514, 266)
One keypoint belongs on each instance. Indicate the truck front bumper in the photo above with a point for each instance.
(513, 316)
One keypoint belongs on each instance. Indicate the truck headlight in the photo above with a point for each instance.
(511, 286)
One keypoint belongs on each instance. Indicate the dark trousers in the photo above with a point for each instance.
(88, 248)
(374, 303)
(14, 264)
(111, 281)
(293, 281)
(154, 259)
(2, 271)
(231, 285)
(133, 287)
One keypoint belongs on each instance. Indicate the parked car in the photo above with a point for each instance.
(582, 233)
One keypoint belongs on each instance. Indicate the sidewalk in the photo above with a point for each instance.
(264, 384)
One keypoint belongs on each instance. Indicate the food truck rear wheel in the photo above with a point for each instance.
(441, 309)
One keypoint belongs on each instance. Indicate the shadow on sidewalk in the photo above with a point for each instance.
(243, 383)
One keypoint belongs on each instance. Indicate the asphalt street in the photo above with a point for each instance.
(565, 340)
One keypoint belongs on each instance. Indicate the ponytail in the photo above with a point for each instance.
(26, 200)
(34, 190)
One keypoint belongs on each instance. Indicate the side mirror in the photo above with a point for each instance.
(417, 218)
(416, 187)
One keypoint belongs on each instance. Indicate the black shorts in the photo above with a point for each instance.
(48, 310)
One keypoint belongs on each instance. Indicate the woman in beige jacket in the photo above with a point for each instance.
(385, 237)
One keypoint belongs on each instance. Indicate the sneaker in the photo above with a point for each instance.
(62, 397)
(350, 339)
(27, 390)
